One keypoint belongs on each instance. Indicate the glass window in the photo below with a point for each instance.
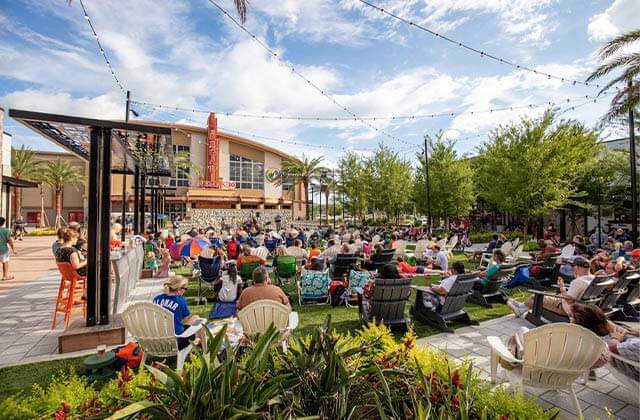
(181, 178)
(248, 174)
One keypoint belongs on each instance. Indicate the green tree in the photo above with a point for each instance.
(391, 181)
(303, 171)
(56, 174)
(450, 180)
(23, 166)
(355, 183)
(615, 59)
(531, 167)
(182, 161)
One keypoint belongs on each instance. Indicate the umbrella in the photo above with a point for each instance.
(193, 247)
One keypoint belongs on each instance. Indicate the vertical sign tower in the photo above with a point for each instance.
(213, 167)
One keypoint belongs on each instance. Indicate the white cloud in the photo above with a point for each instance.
(620, 17)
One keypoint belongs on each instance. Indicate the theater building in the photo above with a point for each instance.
(227, 174)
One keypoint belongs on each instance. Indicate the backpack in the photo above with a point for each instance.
(520, 276)
(129, 355)
(232, 249)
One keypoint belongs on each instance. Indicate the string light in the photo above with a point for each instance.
(450, 113)
(101, 48)
(481, 53)
(300, 75)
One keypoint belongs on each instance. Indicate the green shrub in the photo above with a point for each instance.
(530, 246)
(323, 375)
(479, 237)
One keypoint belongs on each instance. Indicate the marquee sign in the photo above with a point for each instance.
(218, 185)
(272, 174)
(212, 148)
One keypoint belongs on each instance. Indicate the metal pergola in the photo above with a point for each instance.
(109, 147)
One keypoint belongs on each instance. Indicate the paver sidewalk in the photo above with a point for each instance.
(594, 396)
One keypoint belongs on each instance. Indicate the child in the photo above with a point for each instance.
(152, 262)
(165, 261)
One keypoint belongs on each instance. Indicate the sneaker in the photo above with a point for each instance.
(520, 309)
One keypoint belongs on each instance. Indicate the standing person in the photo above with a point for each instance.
(19, 225)
(6, 242)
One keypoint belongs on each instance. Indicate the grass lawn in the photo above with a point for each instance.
(21, 378)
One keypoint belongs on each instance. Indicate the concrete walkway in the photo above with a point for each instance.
(470, 342)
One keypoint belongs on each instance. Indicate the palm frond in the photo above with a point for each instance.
(617, 43)
(631, 60)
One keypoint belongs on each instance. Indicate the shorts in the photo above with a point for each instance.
(554, 305)
(4, 257)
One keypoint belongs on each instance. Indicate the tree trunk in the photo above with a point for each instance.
(306, 199)
(58, 208)
(41, 224)
(18, 205)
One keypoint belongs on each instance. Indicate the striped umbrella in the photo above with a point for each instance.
(193, 247)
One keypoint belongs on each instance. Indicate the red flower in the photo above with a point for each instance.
(408, 343)
(454, 402)
(503, 417)
(60, 415)
(65, 407)
(455, 378)
(125, 374)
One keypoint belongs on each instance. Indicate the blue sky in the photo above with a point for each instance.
(187, 54)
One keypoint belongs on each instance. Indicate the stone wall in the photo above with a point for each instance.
(202, 218)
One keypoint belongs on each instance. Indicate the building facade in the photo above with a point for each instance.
(227, 176)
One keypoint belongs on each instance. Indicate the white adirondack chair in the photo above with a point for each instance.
(515, 243)
(452, 244)
(442, 243)
(567, 252)
(401, 247)
(555, 356)
(261, 252)
(516, 253)
(375, 240)
(256, 317)
(624, 370)
(505, 248)
(152, 326)
(421, 245)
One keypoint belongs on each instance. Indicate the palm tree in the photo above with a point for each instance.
(57, 174)
(182, 160)
(301, 171)
(613, 58)
(23, 166)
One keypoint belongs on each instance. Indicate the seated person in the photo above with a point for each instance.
(333, 248)
(247, 258)
(314, 251)
(280, 251)
(561, 305)
(493, 244)
(622, 341)
(297, 251)
(316, 264)
(406, 268)
(437, 292)
(344, 250)
(228, 288)
(173, 300)
(58, 242)
(581, 315)
(494, 266)
(262, 289)
(68, 253)
(441, 258)
(375, 257)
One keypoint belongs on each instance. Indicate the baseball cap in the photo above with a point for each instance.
(580, 261)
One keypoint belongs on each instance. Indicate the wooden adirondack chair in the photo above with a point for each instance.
(256, 317)
(152, 327)
(387, 303)
(593, 295)
(344, 263)
(453, 308)
(492, 290)
(555, 356)
(385, 257)
(631, 300)
(610, 297)
(549, 271)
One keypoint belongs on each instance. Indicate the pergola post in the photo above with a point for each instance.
(136, 200)
(98, 258)
(143, 193)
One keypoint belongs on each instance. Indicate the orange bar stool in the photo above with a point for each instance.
(71, 293)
